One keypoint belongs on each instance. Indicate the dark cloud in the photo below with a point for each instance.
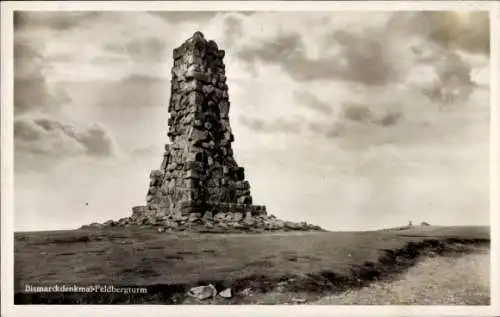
(108, 60)
(448, 29)
(115, 47)
(426, 56)
(271, 126)
(48, 137)
(448, 35)
(358, 127)
(185, 16)
(328, 130)
(453, 82)
(355, 120)
(360, 58)
(365, 56)
(62, 58)
(31, 91)
(115, 98)
(193, 16)
(356, 112)
(147, 49)
(354, 135)
(362, 113)
(56, 20)
(36, 138)
(143, 79)
(136, 91)
(310, 101)
(233, 29)
(282, 49)
(390, 118)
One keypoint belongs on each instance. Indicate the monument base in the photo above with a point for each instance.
(215, 218)
(188, 208)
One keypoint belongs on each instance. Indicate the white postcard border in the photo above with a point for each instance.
(7, 213)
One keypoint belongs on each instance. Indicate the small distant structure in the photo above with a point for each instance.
(410, 224)
(424, 224)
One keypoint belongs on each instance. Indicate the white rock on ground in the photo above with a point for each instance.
(202, 292)
(226, 293)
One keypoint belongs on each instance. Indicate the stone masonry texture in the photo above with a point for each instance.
(198, 172)
(199, 186)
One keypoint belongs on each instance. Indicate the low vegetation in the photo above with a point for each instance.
(169, 263)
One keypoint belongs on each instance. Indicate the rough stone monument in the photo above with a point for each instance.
(198, 173)
(199, 181)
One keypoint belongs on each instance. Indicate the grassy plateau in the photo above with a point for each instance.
(168, 264)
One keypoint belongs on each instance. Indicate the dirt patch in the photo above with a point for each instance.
(449, 280)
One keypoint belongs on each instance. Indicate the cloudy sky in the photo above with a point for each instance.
(350, 120)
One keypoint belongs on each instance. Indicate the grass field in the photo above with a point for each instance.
(170, 263)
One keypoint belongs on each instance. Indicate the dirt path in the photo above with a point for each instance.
(462, 280)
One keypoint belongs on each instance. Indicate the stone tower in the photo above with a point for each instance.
(198, 173)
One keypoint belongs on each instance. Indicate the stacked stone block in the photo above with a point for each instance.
(198, 172)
